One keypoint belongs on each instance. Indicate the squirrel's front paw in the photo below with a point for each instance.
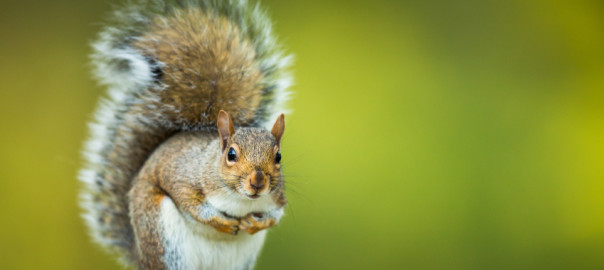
(255, 222)
(226, 225)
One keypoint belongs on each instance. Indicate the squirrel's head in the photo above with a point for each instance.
(251, 157)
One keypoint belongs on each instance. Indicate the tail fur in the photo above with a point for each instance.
(171, 66)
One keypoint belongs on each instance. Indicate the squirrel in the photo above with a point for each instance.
(181, 170)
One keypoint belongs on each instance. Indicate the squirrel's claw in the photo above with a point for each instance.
(253, 224)
(226, 225)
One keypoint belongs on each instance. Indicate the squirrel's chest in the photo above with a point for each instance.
(190, 245)
(238, 206)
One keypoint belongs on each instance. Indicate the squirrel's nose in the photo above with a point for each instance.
(257, 181)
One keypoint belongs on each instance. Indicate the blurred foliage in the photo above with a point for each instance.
(424, 135)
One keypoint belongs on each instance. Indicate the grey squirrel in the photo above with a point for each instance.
(169, 181)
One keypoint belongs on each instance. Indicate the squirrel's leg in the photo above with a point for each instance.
(255, 222)
(209, 215)
(145, 211)
(191, 200)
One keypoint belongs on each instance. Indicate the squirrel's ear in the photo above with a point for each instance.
(279, 128)
(226, 128)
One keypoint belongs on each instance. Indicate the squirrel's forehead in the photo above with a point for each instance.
(254, 139)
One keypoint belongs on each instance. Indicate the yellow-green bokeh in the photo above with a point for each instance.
(424, 134)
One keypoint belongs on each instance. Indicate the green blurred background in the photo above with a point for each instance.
(424, 134)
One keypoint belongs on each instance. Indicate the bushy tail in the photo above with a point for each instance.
(171, 66)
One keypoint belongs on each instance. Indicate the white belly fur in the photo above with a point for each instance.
(191, 245)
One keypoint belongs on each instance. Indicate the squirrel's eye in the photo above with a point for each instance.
(278, 157)
(231, 155)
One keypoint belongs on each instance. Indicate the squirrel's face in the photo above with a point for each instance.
(251, 160)
(251, 163)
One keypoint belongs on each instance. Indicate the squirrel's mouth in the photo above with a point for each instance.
(253, 196)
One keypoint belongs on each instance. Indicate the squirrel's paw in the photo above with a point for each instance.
(224, 224)
(255, 222)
